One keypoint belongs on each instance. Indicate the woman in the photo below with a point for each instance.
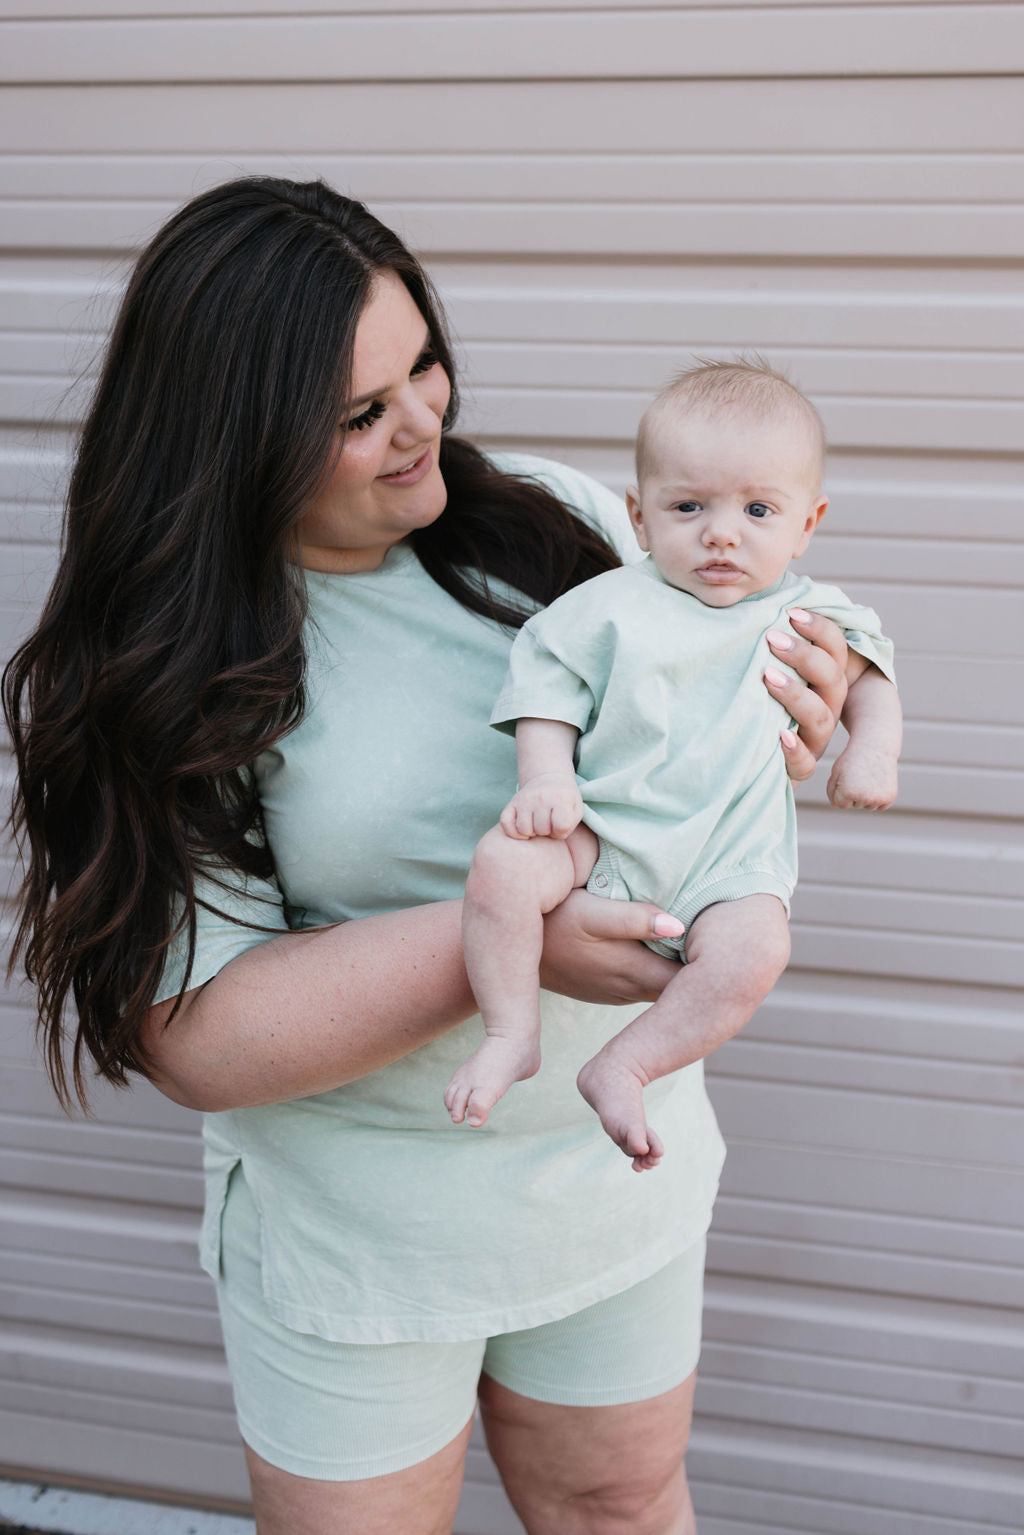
(254, 761)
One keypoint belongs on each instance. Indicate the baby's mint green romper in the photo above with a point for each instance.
(380, 1222)
(678, 759)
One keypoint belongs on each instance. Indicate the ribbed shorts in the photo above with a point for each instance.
(344, 1411)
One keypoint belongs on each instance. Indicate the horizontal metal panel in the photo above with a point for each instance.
(875, 1473)
(988, 232)
(822, 1263)
(905, 912)
(88, 1175)
(886, 1125)
(816, 1408)
(129, 1283)
(910, 1335)
(96, 1227)
(791, 1220)
(725, 1507)
(71, 1449)
(60, 9)
(642, 176)
(864, 1178)
(102, 1409)
(183, 1374)
(858, 318)
(853, 372)
(107, 1314)
(628, 43)
(905, 116)
(906, 955)
(837, 1060)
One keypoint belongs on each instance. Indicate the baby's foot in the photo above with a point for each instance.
(487, 1076)
(616, 1093)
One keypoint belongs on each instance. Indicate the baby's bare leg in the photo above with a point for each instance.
(735, 953)
(511, 885)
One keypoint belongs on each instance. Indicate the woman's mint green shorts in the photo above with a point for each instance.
(342, 1411)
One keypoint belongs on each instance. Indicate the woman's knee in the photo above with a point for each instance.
(662, 1508)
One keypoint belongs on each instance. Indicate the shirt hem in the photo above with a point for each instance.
(484, 1324)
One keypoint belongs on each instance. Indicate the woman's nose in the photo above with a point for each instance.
(422, 408)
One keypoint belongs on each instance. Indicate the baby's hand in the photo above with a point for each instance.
(546, 806)
(863, 779)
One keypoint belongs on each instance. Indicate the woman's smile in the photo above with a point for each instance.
(386, 481)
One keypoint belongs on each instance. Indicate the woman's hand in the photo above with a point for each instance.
(817, 653)
(594, 950)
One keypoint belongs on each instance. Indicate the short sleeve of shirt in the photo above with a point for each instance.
(540, 686)
(229, 921)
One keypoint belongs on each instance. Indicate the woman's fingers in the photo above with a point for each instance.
(601, 918)
(820, 661)
(800, 763)
(819, 656)
(591, 950)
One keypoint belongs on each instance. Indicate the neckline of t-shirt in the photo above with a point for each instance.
(399, 557)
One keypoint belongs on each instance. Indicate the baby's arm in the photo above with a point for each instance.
(864, 774)
(548, 802)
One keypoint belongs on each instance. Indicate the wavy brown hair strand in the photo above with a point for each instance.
(169, 653)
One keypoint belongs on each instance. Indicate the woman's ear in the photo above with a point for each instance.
(636, 516)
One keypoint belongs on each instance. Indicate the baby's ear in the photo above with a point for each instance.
(636, 515)
(811, 521)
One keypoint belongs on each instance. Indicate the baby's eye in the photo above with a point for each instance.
(372, 413)
(758, 509)
(424, 362)
(687, 506)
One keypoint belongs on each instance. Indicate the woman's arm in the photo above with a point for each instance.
(308, 1012)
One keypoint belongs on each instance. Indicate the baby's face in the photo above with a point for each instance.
(727, 501)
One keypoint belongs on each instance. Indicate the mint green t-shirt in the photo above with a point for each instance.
(381, 1221)
(678, 757)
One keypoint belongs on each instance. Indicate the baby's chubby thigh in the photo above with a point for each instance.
(539, 871)
(744, 943)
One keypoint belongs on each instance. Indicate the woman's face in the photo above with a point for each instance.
(387, 481)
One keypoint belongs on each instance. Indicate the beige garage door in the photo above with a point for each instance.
(601, 190)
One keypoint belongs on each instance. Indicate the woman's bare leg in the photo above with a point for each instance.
(420, 1500)
(593, 1470)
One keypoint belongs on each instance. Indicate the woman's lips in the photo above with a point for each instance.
(413, 472)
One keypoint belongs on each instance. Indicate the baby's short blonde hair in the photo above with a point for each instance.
(748, 385)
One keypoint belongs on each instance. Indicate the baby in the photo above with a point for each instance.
(648, 747)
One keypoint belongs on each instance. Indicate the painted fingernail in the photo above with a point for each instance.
(799, 615)
(665, 926)
(777, 679)
(788, 738)
(779, 640)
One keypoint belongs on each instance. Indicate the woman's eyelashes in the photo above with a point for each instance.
(373, 412)
(367, 417)
(424, 362)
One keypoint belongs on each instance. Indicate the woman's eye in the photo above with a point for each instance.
(424, 362)
(372, 413)
(758, 509)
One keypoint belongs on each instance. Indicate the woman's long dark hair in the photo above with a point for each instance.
(169, 653)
